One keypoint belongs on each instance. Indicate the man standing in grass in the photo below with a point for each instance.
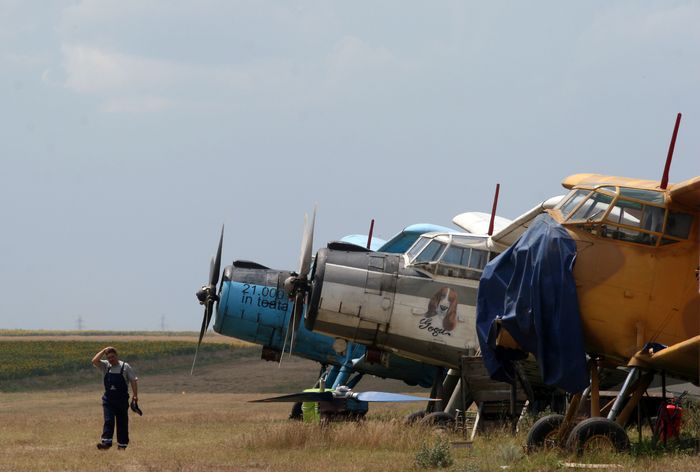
(115, 401)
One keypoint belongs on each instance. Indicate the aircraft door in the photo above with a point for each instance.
(380, 287)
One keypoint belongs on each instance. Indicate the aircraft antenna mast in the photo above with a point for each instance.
(493, 209)
(671, 147)
(371, 230)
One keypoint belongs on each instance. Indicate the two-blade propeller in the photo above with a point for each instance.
(297, 286)
(344, 394)
(207, 295)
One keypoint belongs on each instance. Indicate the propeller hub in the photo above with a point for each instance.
(206, 295)
(294, 285)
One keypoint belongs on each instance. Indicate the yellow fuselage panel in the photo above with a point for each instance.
(630, 293)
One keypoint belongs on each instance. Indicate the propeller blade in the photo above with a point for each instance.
(205, 325)
(215, 266)
(390, 397)
(286, 339)
(299, 397)
(297, 314)
(207, 295)
(307, 242)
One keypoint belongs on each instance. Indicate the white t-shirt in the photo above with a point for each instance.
(129, 374)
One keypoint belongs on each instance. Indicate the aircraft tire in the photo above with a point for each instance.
(296, 413)
(415, 417)
(438, 419)
(595, 434)
(543, 434)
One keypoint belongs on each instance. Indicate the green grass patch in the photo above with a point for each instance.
(26, 364)
(47, 332)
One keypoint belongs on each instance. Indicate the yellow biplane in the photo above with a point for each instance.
(636, 277)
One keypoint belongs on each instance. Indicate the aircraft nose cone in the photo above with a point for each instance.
(201, 295)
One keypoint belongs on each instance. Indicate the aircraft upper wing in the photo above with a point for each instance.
(478, 223)
(594, 180)
(681, 360)
(507, 235)
(687, 193)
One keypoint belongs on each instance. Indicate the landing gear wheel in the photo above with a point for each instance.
(296, 413)
(544, 433)
(414, 417)
(597, 434)
(438, 419)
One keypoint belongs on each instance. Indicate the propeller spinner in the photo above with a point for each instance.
(207, 294)
(298, 286)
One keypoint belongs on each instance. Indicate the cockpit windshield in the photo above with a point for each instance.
(431, 252)
(627, 214)
(451, 255)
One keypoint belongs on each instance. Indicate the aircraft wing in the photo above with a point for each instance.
(681, 360)
(507, 235)
(687, 193)
(478, 223)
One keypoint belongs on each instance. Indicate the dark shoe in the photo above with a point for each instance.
(103, 447)
(121, 448)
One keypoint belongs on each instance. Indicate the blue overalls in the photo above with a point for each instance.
(115, 404)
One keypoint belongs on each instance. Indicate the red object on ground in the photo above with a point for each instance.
(669, 422)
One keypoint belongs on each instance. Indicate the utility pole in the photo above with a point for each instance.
(79, 322)
(162, 322)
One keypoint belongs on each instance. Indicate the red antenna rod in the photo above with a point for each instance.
(371, 230)
(493, 210)
(671, 147)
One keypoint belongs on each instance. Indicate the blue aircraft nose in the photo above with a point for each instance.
(253, 305)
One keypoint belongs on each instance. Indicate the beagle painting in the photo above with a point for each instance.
(443, 305)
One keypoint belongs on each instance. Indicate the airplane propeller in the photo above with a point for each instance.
(207, 294)
(345, 393)
(297, 286)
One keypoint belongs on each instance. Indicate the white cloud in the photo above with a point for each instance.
(93, 70)
(122, 80)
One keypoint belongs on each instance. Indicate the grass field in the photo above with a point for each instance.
(27, 362)
(58, 431)
(92, 333)
(205, 423)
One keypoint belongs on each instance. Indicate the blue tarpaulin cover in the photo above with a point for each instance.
(530, 290)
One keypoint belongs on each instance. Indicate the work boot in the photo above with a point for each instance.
(121, 448)
(103, 446)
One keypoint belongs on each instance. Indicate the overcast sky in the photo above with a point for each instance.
(131, 130)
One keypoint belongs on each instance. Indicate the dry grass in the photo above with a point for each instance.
(204, 431)
(222, 432)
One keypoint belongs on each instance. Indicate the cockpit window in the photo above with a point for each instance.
(450, 255)
(455, 255)
(417, 247)
(650, 218)
(572, 201)
(593, 208)
(431, 252)
(637, 216)
(650, 196)
(678, 224)
(466, 257)
(478, 259)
